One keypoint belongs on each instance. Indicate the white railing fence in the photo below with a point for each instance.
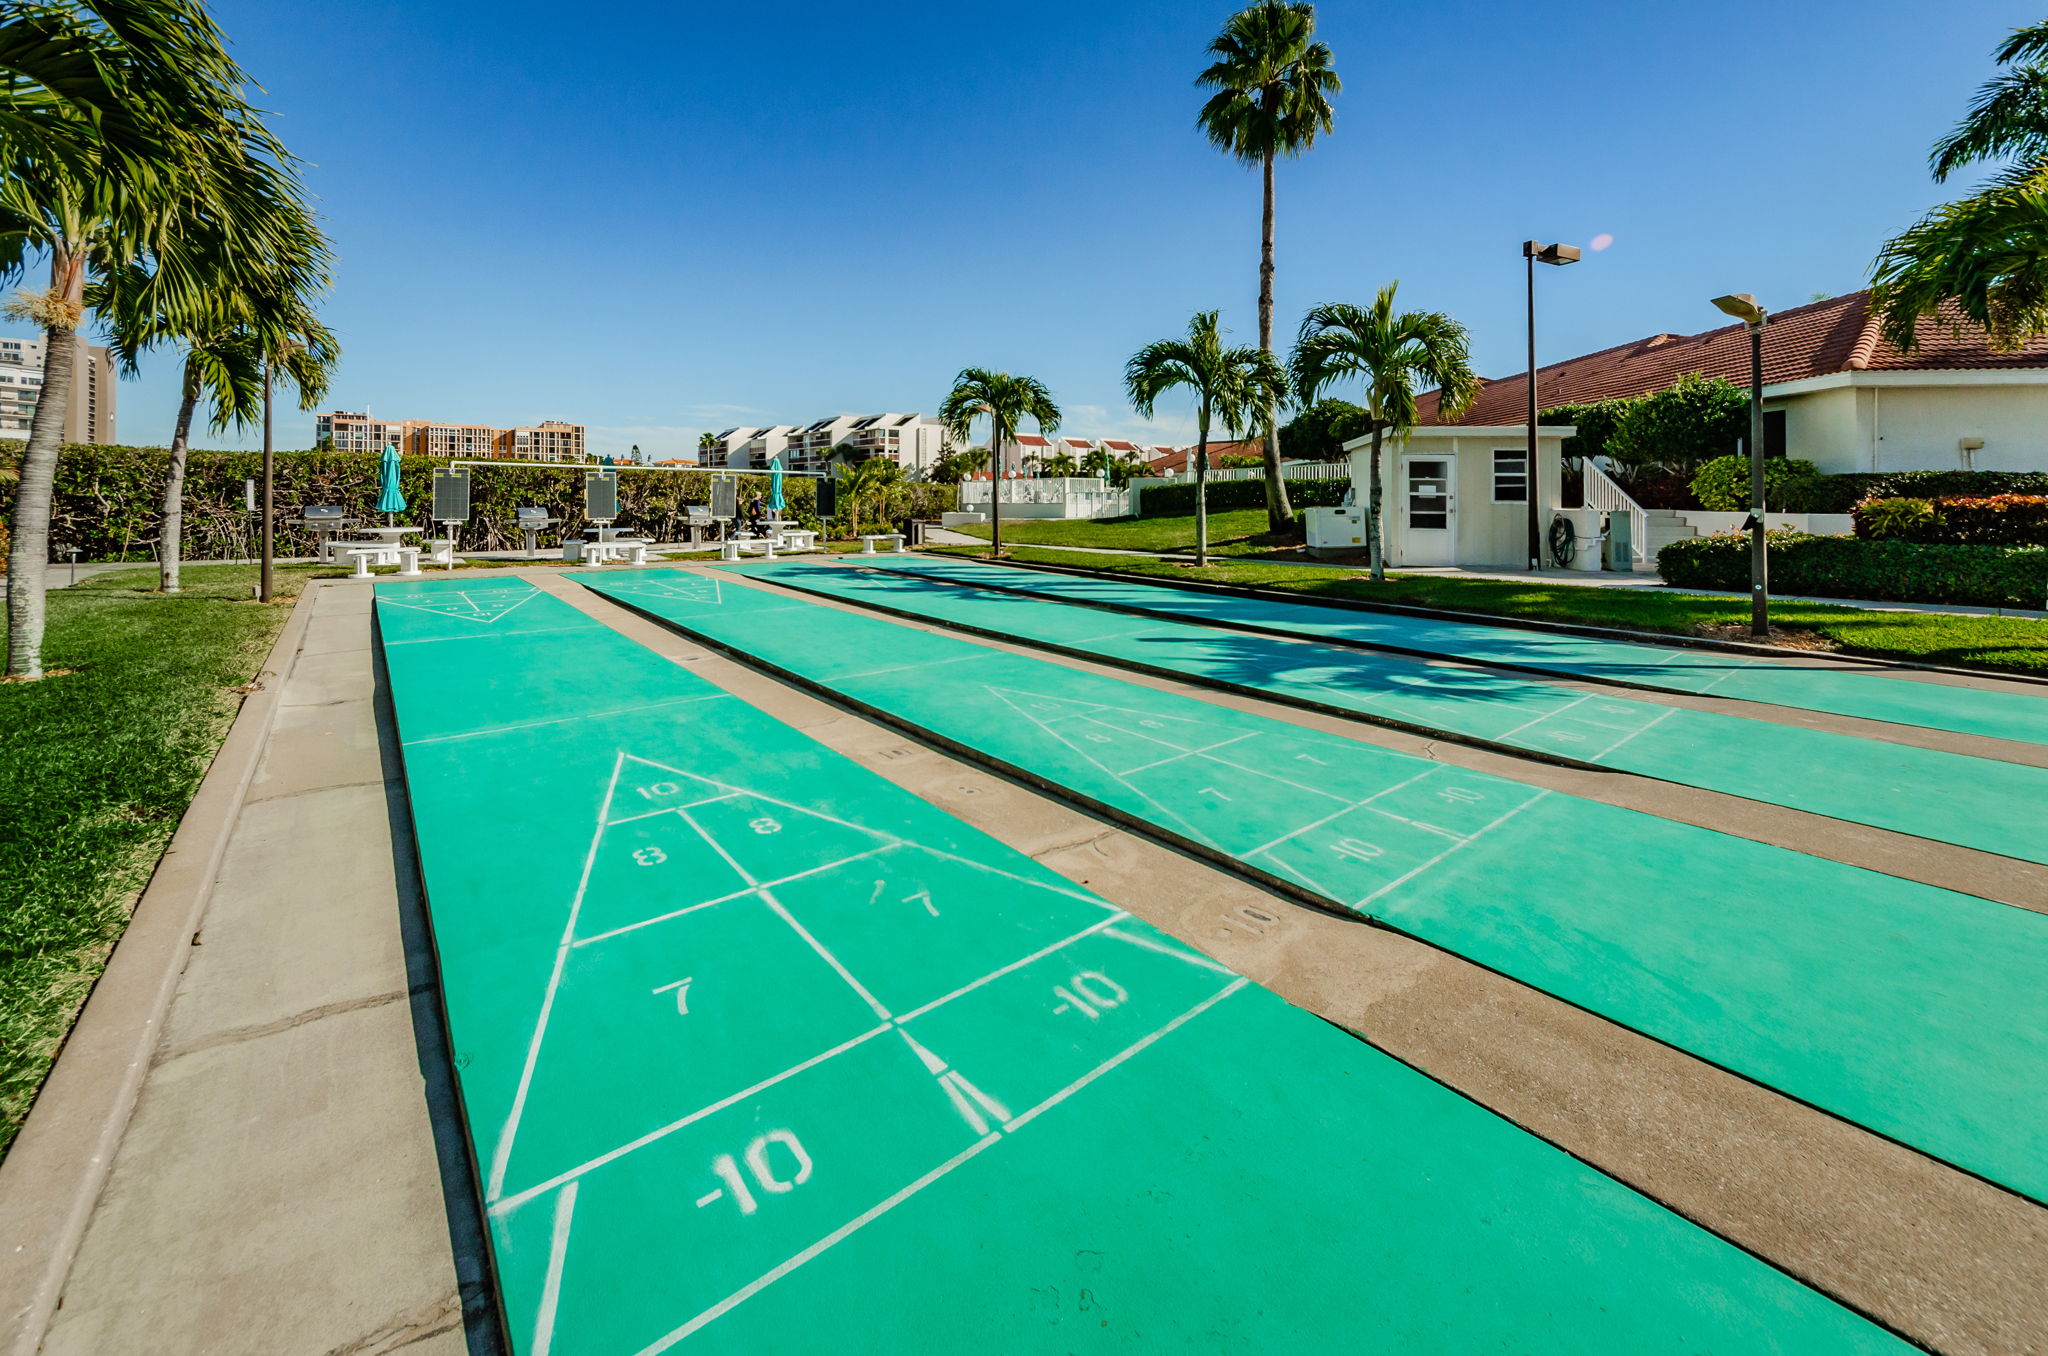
(1290, 470)
(1603, 494)
(1078, 496)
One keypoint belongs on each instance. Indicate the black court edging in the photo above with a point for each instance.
(1668, 639)
(1431, 732)
(1244, 870)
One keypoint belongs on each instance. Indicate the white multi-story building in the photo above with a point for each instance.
(89, 417)
(747, 448)
(912, 441)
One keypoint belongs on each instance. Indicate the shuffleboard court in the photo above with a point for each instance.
(1813, 685)
(762, 1054)
(1914, 1011)
(1987, 804)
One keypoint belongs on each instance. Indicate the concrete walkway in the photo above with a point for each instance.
(294, 1172)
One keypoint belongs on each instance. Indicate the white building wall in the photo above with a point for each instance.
(1915, 421)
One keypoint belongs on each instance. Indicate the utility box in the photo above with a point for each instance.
(1335, 531)
(1621, 554)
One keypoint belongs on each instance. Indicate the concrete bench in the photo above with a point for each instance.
(735, 547)
(406, 558)
(867, 543)
(631, 550)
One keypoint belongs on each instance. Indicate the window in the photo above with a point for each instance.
(1774, 433)
(1511, 477)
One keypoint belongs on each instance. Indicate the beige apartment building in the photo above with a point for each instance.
(551, 440)
(89, 418)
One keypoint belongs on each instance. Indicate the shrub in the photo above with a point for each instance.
(1847, 567)
(1595, 422)
(2000, 520)
(1239, 461)
(1841, 493)
(1174, 501)
(1723, 483)
(1319, 432)
(1895, 519)
(107, 498)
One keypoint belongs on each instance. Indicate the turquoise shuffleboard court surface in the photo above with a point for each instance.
(1914, 1011)
(761, 1054)
(1987, 804)
(1816, 685)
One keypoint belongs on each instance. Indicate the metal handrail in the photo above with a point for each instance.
(1606, 496)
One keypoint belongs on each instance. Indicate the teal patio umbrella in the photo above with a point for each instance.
(775, 504)
(390, 499)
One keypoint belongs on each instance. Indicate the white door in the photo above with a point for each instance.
(1428, 511)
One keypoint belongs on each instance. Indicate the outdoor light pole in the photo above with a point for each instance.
(1533, 251)
(1743, 307)
(269, 544)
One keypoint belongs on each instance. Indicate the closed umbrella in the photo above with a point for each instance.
(390, 499)
(775, 486)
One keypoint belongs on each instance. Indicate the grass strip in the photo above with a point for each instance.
(2008, 644)
(97, 766)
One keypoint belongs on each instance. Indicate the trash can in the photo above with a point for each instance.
(1588, 538)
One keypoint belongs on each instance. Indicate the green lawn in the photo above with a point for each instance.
(96, 767)
(1232, 532)
(2011, 643)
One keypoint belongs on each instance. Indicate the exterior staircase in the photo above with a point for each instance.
(1661, 528)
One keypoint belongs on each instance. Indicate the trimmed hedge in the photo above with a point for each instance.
(1841, 493)
(107, 499)
(1176, 501)
(2001, 520)
(1846, 567)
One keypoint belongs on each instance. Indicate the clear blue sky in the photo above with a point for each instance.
(657, 218)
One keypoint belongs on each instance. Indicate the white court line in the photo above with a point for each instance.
(1506, 734)
(671, 809)
(664, 1131)
(736, 894)
(1117, 916)
(873, 1213)
(501, 1154)
(1192, 958)
(551, 1289)
(786, 916)
(1455, 847)
(577, 626)
(837, 1236)
(1633, 733)
(565, 720)
(902, 668)
(1099, 1070)
(1147, 767)
(531, 594)
(1339, 813)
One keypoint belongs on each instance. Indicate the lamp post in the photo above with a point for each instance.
(269, 543)
(1743, 307)
(1534, 252)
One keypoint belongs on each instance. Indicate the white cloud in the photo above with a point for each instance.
(1098, 421)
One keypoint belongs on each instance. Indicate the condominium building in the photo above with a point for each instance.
(88, 417)
(549, 441)
(912, 441)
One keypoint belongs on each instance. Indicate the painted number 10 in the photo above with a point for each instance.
(1090, 993)
(760, 1169)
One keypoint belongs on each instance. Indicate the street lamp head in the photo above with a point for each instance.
(1743, 307)
(1550, 254)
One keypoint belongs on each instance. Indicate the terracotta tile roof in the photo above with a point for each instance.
(1116, 446)
(1030, 440)
(1180, 458)
(1814, 340)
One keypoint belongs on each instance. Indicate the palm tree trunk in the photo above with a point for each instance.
(28, 550)
(995, 491)
(1373, 513)
(1279, 513)
(172, 543)
(1202, 490)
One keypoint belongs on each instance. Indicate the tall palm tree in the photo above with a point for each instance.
(1273, 84)
(707, 443)
(1398, 355)
(1006, 401)
(252, 325)
(198, 198)
(1986, 254)
(1238, 387)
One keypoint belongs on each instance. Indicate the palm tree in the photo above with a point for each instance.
(1397, 354)
(707, 443)
(955, 464)
(1097, 462)
(1273, 84)
(1058, 464)
(1006, 401)
(1986, 254)
(869, 479)
(254, 325)
(196, 196)
(1237, 386)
